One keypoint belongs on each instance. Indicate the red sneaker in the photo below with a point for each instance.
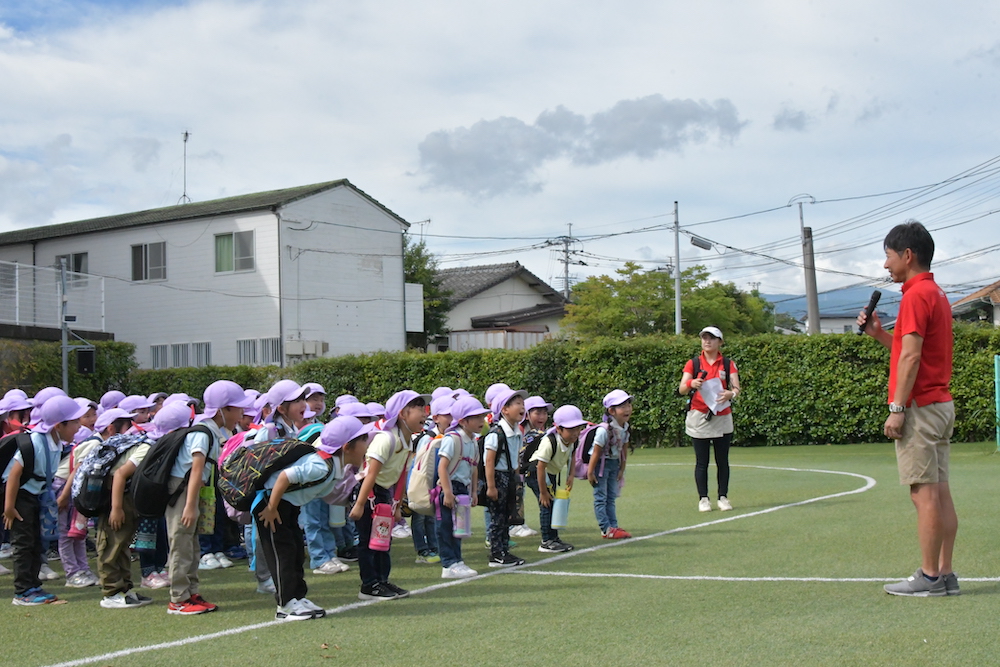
(208, 605)
(616, 533)
(187, 608)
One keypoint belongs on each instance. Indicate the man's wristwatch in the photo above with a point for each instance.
(894, 408)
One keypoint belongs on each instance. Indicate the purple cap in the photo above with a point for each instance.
(157, 395)
(534, 402)
(313, 388)
(341, 431)
(40, 398)
(175, 398)
(459, 393)
(441, 391)
(82, 400)
(285, 390)
(568, 416)
(344, 399)
(494, 390)
(108, 416)
(396, 403)
(377, 409)
(616, 397)
(252, 393)
(130, 403)
(170, 418)
(59, 409)
(82, 434)
(15, 401)
(504, 397)
(224, 394)
(467, 406)
(112, 398)
(442, 405)
(355, 410)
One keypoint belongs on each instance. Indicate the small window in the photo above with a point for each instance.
(202, 354)
(270, 351)
(246, 352)
(234, 252)
(179, 353)
(76, 268)
(848, 328)
(158, 356)
(149, 261)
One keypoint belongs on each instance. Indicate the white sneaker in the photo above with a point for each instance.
(466, 570)
(46, 572)
(122, 601)
(293, 611)
(81, 579)
(209, 562)
(6, 551)
(317, 611)
(457, 571)
(704, 505)
(3, 570)
(401, 530)
(528, 531)
(266, 587)
(724, 504)
(332, 566)
(223, 560)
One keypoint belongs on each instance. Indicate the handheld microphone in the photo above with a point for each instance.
(869, 309)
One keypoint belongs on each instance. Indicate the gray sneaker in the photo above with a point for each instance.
(918, 586)
(951, 584)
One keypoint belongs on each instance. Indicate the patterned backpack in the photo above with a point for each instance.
(248, 468)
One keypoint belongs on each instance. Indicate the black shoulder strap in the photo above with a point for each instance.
(726, 366)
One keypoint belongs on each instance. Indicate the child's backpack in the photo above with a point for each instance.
(92, 480)
(423, 477)
(502, 450)
(584, 447)
(247, 469)
(529, 446)
(10, 444)
(151, 479)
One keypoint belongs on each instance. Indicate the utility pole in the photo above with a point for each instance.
(566, 242)
(677, 271)
(63, 303)
(809, 266)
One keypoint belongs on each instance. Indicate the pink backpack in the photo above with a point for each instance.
(584, 445)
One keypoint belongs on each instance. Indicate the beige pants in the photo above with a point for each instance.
(922, 453)
(185, 552)
(114, 566)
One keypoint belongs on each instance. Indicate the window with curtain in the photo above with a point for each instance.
(234, 252)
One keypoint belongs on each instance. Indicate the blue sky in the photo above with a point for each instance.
(503, 124)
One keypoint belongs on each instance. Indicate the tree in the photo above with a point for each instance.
(642, 302)
(420, 266)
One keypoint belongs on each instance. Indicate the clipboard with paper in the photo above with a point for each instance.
(710, 391)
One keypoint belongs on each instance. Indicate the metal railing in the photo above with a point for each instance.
(32, 296)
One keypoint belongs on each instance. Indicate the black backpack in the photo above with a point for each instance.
(10, 444)
(502, 448)
(91, 491)
(531, 443)
(151, 479)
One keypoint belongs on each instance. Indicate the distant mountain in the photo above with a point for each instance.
(847, 302)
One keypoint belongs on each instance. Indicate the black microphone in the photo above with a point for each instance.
(869, 309)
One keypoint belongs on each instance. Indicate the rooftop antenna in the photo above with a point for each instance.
(184, 197)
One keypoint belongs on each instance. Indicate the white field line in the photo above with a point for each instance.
(614, 575)
(869, 483)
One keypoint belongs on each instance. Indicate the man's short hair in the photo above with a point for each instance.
(913, 235)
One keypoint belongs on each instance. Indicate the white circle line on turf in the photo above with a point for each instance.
(695, 577)
(869, 483)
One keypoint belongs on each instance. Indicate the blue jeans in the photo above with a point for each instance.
(424, 533)
(315, 521)
(450, 546)
(544, 513)
(605, 493)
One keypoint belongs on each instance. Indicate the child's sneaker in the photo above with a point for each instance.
(458, 570)
(204, 603)
(236, 553)
(400, 592)
(187, 608)
(141, 600)
(377, 591)
(401, 530)
(81, 579)
(266, 587)
(509, 560)
(33, 597)
(6, 550)
(209, 562)
(223, 561)
(554, 547)
(348, 554)
(155, 580)
(951, 584)
(47, 573)
(704, 505)
(428, 557)
(724, 504)
(3, 570)
(293, 611)
(317, 611)
(332, 566)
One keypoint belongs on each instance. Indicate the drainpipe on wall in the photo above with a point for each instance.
(281, 299)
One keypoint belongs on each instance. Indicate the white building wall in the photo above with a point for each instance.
(512, 294)
(342, 274)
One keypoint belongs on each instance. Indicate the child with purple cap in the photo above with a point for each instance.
(315, 398)
(224, 403)
(500, 449)
(536, 420)
(606, 469)
(457, 475)
(386, 461)
(424, 528)
(545, 470)
(276, 510)
(16, 409)
(28, 488)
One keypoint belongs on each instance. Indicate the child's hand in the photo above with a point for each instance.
(189, 516)
(449, 499)
(491, 492)
(544, 498)
(474, 500)
(10, 515)
(62, 502)
(569, 483)
(357, 511)
(592, 478)
(116, 518)
(269, 517)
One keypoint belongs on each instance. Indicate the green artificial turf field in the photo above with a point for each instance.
(799, 585)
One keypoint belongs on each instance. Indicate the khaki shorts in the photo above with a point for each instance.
(698, 425)
(922, 452)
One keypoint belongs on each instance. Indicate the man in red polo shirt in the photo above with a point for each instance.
(921, 412)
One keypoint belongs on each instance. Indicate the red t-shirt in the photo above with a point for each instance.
(924, 311)
(712, 371)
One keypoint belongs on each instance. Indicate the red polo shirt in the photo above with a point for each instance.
(924, 311)
(712, 371)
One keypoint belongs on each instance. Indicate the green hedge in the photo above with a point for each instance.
(797, 389)
(31, 365)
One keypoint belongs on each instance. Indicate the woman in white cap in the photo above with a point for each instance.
(715, 377)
